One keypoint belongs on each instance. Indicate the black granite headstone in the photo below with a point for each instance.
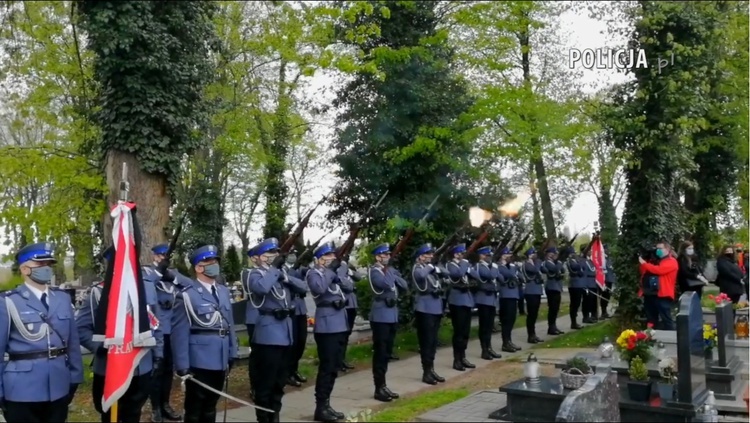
(690, 351)
(598, 400)
(725, 330)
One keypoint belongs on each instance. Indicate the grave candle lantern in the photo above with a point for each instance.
(606, 348)
(531, 369)
(741, 328)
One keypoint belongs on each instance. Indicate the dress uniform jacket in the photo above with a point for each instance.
(203, 330)
(509, 283)
(532, 274)
(273, 299)
(385, 284)
(429, 292)
(554, 271)
(23, 319)
(251, 313)
(166, 293)
(609, 274)
(589, 274)
(326, 290)
(456, 272)
(346, 283)
(487, 275)
(298, 303)
(575, 270)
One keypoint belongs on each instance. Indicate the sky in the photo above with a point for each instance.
(584, 33)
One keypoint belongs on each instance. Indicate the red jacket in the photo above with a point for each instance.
(666, 270)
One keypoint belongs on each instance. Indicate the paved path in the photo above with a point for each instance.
(353, 392)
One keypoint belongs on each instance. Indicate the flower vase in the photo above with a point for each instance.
(709, 357)
(666, 391)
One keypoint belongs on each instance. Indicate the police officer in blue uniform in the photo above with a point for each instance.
(609, 281)
(38, 332)
(251, 317)
(149, 368)
(324, 281)
(351, 313)
(203, 340)
(553, 269)
(532, 292)
(428, 310)
(385, 283)
(299, 321)
(271, 293)
(487, 275)
(590, 314)
(509, 284)
(460, 303)
(161, 388)
(577, 287)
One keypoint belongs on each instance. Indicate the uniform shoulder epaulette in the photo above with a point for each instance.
(10, 292)
(54, 288)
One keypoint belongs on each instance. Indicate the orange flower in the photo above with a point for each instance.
(710, 296)
(310, 321)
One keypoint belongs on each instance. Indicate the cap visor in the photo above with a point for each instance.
(44, 259)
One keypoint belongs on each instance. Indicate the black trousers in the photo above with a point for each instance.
(508, 310)
(200, 403)
(553, 304)
(461, 321)
(129, 405)
(329, 353)
(590, 301)
(161, 386)
(299, 331)
(383, 335)
(576, 298)
(351, 315)
(521, 307)
(251, 360)
(606, 295)
(271, 377)
(39, 412)
(533, 302)
(486, 314)
(428, 327)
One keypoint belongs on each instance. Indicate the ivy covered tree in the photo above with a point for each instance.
(152, 66)
(655, 119)
(230, 265)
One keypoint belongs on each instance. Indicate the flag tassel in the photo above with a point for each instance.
(113, 413)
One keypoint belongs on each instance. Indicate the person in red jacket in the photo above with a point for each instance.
(658, 280)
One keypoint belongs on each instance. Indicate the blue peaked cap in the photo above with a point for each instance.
(530, 251)
(42, 251)
(505, 251)
(569, 250)
(269, 244)
(204, 253)
(160, 249)
(109, 253)
(381, 249)
(324, 249)
(251, 252)
(424, 249)
(460, 248)
(487, 250)
(552, 250)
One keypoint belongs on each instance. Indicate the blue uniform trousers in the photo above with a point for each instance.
(129, 405)
(272, 374)
(428, 327)
(576, 298)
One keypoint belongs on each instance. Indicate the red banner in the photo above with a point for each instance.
(597, 256)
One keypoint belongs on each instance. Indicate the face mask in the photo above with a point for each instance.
(291, 259)
(730, 255)
(211, 270)
(689, 251)
(660, 252)
(384, 261)
(41, 275)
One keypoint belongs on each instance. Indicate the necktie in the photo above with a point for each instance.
(44, 301)
(213, 292)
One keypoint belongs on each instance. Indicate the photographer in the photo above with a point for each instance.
(690, 276)
(658, 280)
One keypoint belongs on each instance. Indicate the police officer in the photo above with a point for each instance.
(38, 332)
(609, 281)
(486, 274)
(330, 327)
(590, 314)
(203, 340)
(577, 287)
(460, 303)
(428, 310)
(251, 318)
(270, 293)
(350, 292)
(149, 368)
(299, 321)
(508, 299)
(385, 284)
(532, 292)
(161, 388)
(553, 269)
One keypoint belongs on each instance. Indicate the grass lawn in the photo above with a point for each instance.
(589, 336)
(407, 410)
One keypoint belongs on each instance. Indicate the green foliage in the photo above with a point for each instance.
(151, 63)
(638, 371)
(364, 298)
(578, 363)
(231, 266)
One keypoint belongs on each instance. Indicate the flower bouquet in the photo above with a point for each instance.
(668, 373)
(710, 339)
(719, 299)
(635, 344)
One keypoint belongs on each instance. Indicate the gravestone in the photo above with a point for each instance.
(723, 375)
(598, 400)
(691, 362)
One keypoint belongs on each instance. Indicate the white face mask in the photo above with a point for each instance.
(689, 251)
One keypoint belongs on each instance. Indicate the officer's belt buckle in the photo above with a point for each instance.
(223, 332)
(55, 352)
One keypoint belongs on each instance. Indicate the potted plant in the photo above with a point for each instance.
(668, 373)
(575, 373)
(639, 386)
(635, 344)
(710, 341)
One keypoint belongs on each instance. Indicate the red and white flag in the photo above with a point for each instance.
(597, 256)
(126, 331)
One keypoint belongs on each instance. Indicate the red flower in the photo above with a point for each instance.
(632, 338)
(641, 336)
(650, 325)
(710, 296)
(631, 345)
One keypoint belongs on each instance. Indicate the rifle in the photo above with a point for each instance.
(303, 222)
(346, 248)
(519, 245)
(440, 252)
(410, 232)
(505, 240)
(308, 250)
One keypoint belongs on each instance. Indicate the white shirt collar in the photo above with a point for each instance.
(37, 292)
(206, 285)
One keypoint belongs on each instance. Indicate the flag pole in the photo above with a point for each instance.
(124, 188)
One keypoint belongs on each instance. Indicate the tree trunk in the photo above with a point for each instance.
(607, 215)
(148, 191)
(276, 189)
(536, 222)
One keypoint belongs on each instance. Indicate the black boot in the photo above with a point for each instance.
(427, 377)
(604, 316)
(533, 339)
(486, 354)
(276, 418)
(156, 416)
(554, 331)
(493, 353)
(339, 415)
(507, 347)
(169, 413)
(458, 364)
(324, 413)
(300, 378)
(391, 393)
(574, 324)
(347, 365)
(466, 363)
(292, 381)
(437, 377)
(514, 346)
(382, 395)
